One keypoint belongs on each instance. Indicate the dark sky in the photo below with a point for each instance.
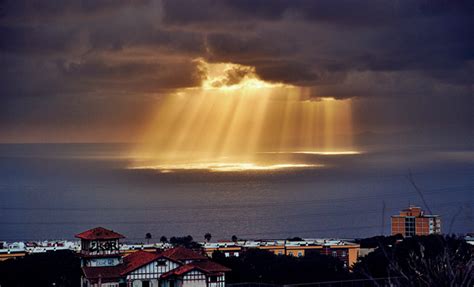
(95, 70)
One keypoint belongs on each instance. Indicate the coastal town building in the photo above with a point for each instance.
(413, 221)
(104, 265)
(100, 247)
(347, 252)
(20, 249)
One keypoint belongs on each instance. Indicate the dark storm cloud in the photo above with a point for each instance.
(290, 71)
(38, 39)
(182, 42)
(344, 12)
(54, 53)
(384, 35)
(240, 48)
(132, 77)
(47, 79)
(425, 38)
(39, 10)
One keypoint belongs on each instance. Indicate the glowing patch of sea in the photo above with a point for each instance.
(227, 167)
(344, 152)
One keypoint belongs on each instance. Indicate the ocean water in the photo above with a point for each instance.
(53, 191)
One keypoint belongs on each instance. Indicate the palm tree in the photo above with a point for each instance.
(234, 238)
(207, 236)
(163, 239)
(148, 237)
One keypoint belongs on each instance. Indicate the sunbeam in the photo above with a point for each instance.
(235, 117)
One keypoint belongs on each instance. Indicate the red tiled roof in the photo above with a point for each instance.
(140, 258)
(207, 267)
(99, 233)
(178, 271)
(210, 266)
(130, 263)
(108, 272)
(136, 260)
(181, 253)
(160, 255)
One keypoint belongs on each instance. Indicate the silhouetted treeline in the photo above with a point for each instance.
(257, 265)
(431, 260)
(185, 241)
(419, 261)
(58, 268)
(377, 241)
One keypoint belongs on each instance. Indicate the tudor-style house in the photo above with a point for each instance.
(104, 266)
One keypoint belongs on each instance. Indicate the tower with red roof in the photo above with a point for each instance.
(100, 247)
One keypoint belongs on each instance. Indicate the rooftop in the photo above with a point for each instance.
(99, 233)
(279, 242)
(141, 258)
(181, 253)
(208, 267)
(107, 272)
(136, 260)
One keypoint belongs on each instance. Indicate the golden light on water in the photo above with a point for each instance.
(234, 117)
(345, 152)
(225, 167)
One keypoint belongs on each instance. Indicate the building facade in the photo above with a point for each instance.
(413, 221)
(100, 247)
(103, 265)
(347, 252)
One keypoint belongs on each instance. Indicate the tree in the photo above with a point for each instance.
(377, 241)
(62, 267)
(185, 241)
(256, 265)
(148, 237)
(163, 239)
(234, 238)
(431, 260)
(207, 236)
(295, 239)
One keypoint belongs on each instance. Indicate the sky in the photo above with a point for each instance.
(223, 85)
(95, 71)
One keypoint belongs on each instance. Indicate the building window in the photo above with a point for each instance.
(334, 253)
(344, 253)
(409, 226)
(213, 278)
(300, 253)
(145, 283)
(161, 263)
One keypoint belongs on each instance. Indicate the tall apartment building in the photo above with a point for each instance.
(413, 221)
